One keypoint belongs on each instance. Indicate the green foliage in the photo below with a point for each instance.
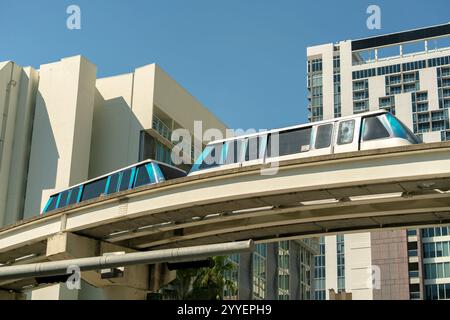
(204, 283)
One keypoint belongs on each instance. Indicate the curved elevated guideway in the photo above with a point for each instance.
(364, 190)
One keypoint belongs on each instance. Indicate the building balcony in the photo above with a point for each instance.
(161, 128)
(415, 280)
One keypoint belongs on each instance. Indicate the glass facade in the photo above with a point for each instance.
(259, 272)
(436, 262)
(340, 248)
(319, 272)
(305, 273)
(437, 291)
(360, 96)
(387, 103)
(337, 85)
(283, 270)
(315, 89)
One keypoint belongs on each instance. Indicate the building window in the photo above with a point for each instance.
(437, 291)
(283, 270)
(319, 272)
(259, 271)
(231, 288)
(315, 91)
(340, 246)
(360, 96)
(305, 276)
(387, 103)
(337, 86)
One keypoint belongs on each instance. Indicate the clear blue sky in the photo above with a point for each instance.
(243, 59)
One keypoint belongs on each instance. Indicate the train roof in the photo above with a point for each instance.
(306, 125)
(116, 171)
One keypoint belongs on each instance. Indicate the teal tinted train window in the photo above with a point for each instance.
(158, 172)
(74, 196)
(125, 181)
(211, 156)
(94, 189)
(144, 176)
(51, 204)
(63, 199)
(113, 183)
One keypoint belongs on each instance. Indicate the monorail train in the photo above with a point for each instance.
(140, 174)
(370, 130)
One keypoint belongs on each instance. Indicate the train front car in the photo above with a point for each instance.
(364, 131)
(384, 131)
(141, 174)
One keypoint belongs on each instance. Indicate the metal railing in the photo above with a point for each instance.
(161, 128)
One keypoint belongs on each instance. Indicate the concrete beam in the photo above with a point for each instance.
(181, 199)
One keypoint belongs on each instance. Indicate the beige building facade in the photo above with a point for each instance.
(408, 74)
(61, 126)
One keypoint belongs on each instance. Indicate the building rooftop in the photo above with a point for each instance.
(402, 37)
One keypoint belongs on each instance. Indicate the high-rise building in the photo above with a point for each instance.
(275, 271)
(408, 74)
(62, 126)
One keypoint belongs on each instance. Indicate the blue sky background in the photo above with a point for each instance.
(243, 59)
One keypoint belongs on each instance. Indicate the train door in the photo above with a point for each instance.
(323, 139)
(347, 135)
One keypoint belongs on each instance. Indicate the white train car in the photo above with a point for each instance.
(364, 131)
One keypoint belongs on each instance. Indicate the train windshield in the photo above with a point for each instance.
(400, 130)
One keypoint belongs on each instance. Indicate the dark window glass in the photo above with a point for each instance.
(171, 173)
(63, 199)
(52, 205)
(323, 136)
(125, 182)
(346, 132)
(374, 129)
(212, 157)
(94, 189)
(233, 152)
(289, 142)
(142, 177)
(252, 151)
(74, 196)
(113, 183)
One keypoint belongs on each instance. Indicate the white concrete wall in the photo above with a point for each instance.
(358, 265)
(403, 109)
(8, 97)
(180, 105)
(124, 107)
(330, 264)
(15, 126)
(377, 89)
(346, 78)
(62, 130)
(22, 144)
(113, 124)
(428, 82)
